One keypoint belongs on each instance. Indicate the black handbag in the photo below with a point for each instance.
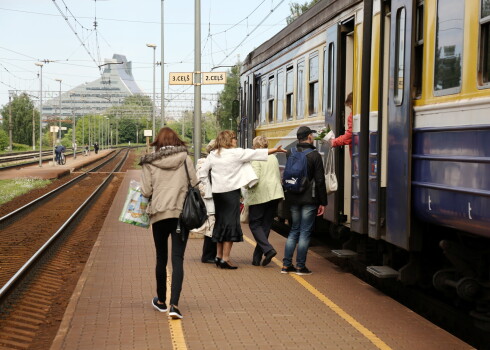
(194, 212)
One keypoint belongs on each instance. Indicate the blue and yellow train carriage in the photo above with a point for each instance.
(418, 180)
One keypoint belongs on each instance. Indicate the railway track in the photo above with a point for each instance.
(420, 299)
(40, 244)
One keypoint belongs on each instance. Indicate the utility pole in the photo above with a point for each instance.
(154, 47)
(197, 81)
(10, 124)
(40, 65)
(33, 128)
(59, 80)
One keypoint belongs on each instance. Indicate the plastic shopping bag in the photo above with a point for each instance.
(134, 209)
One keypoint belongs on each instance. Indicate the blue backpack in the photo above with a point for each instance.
(295, 176)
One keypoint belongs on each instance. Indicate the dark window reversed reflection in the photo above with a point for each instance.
(449, 47)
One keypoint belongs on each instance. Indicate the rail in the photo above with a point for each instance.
(8, 287)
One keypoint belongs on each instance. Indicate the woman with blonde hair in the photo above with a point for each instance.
(164, 180)
(262, 200)
(230, 170)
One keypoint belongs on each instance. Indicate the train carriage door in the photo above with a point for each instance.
(330, 108)
(337, 84)
(400, 124)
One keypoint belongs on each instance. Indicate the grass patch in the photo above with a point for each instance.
(140, 151)
(10, 189)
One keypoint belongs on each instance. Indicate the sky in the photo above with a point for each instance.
(34, 30)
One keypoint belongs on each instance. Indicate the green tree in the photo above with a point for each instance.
(298, 9)
(4, 140)
(226, 98)
(132, 117)
(22, 117)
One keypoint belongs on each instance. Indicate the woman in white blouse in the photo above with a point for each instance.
(230, 170)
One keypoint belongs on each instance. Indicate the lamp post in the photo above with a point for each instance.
(59, 117)
(231, 123)
(153, 46)
(39, 64)
(107, 133)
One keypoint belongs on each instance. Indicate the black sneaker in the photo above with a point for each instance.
(175, 313)
(157, 306)
(303, 271)
(288, 269)
(268, 257)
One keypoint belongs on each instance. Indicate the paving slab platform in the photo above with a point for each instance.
(253, 307)
(50, 171)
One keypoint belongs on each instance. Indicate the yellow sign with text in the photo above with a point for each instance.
(181, 79)
(213, 78)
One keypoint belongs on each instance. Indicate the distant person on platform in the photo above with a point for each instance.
(58, 150)
(87, 151)
(96, 148)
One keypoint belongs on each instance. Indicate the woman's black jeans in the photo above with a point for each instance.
(161, 230)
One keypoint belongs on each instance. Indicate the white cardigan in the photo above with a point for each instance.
(231, 169)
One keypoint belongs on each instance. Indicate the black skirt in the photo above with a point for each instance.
(227, 213)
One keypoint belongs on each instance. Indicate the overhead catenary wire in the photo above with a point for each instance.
(253, 30)
(76, 34)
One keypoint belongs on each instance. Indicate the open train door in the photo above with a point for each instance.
(331, 111)
(400, 119)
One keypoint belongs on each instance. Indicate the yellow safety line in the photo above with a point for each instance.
(334, 307)
(176, 332)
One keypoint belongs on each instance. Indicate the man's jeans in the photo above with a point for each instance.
(303, 221)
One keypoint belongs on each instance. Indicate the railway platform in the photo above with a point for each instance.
(50, 171)
(248, 308)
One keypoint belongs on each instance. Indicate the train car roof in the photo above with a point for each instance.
(316, 16)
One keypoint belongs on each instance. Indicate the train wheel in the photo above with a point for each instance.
(443, 278)
(468, 288)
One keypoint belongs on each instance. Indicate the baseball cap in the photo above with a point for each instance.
(303, 132)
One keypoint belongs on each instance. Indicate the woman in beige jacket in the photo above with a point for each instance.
(164, 180)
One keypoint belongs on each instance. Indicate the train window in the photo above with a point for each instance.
(419, 49)
(271, 95)
(313, 85)
(289, 92)
(449, 47)
(300, 97)
(263, 101)
(280, 95)
(257, 102)
(399, 73)
(328, 69)
(484, 64)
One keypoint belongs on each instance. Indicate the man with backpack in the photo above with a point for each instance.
(306, 194)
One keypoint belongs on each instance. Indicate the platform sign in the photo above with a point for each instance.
(54, 128)
(181, 79)
(213, 78)
(148, 133)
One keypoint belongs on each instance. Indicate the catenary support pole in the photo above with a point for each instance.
(197, 82)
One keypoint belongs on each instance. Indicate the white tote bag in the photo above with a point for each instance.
(330, 177)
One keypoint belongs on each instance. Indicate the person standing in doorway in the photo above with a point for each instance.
(306, 205)
(345, 139)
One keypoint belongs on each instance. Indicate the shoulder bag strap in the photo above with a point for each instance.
(329, 166)
(188, 177)
(187, 172)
